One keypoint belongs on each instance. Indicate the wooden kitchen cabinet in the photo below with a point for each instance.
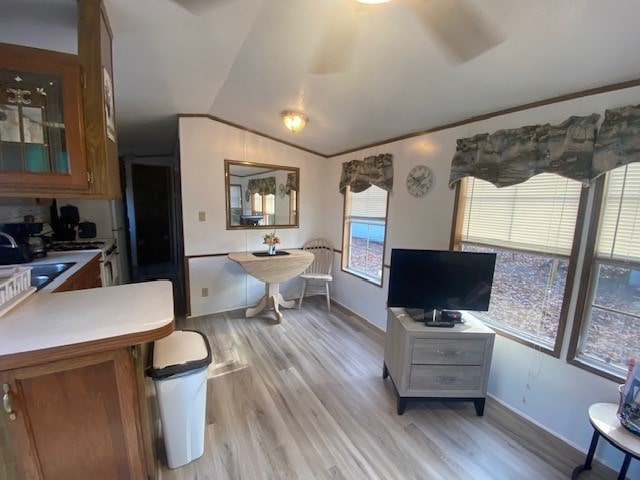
(42, 150)
(72, 419)
(87, 277)
(95, 54)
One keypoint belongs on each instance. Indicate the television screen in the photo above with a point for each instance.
(434, 279)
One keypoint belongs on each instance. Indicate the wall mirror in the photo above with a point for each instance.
(259, 195)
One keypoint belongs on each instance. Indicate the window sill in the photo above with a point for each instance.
(597, 368)
(362, 276)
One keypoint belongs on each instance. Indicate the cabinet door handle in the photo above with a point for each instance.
(6, 401)
(449, 353)
(447, 380)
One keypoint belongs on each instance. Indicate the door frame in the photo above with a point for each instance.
(156, 161)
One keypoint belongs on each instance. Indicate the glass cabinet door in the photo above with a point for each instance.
(41, 142)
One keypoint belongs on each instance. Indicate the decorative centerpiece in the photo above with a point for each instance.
(272, 241)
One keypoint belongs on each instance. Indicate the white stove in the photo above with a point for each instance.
(109, 271)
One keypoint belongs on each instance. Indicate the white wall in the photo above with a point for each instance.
(549, 391)
(204, 145)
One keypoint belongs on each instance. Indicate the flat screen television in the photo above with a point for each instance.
(436, 280)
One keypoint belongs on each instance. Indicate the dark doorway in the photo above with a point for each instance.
(153, 213)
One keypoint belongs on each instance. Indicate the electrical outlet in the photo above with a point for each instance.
(205, 292)
(202, 216)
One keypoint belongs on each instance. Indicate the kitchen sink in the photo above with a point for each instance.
(43, 274)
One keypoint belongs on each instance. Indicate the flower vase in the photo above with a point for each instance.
(272, 249)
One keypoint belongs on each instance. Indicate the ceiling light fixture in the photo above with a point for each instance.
(294, 121)
(372, 1)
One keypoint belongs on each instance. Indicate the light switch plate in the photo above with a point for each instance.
(205, 292)
(202, 216)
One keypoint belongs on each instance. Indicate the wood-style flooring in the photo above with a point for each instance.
(305, 399)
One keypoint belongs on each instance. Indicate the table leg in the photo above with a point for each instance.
(625, 467)
(589, 460)
(286, 303)
(479, 404)
(253, 311)
(276, 308)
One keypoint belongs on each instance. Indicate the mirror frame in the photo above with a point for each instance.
(227, 195)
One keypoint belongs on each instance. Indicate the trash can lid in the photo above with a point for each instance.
(179, 352)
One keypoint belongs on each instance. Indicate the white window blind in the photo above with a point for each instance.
(619, 236)
(372, 203)
(270, 204)
(538, 215)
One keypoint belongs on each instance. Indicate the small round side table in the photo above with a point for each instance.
(606, 424)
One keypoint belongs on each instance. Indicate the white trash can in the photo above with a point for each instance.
(179, 371)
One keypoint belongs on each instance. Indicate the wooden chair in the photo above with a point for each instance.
(318, 274)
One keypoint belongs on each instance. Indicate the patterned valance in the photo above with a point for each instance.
(292, 183)
(509, 157)
(618, 141)
(263, 186)
(361, 174)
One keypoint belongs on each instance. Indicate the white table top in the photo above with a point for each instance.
(276, 268)
(603, 418)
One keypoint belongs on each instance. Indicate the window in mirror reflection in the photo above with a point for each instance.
(261, 195)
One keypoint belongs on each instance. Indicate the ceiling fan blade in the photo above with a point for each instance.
(337, 43)
(461, 28)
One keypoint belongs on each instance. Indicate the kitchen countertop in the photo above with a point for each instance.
(51, 326)
(79, 257)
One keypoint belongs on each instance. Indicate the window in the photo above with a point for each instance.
(365, 217)
(608, 334)
(264, 205)
(530, 226)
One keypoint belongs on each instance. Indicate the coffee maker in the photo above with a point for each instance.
(28, 234)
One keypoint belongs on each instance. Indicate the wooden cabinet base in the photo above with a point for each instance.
(76, 419)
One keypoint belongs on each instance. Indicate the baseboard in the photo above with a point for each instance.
(366, 323)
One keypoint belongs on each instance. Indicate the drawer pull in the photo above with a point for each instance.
(6, 401)
(449, 353)
(446, 380)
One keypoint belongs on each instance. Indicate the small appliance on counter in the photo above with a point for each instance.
(11, 252)
(64, 225)
(28, 234)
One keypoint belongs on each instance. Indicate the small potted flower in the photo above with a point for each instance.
(272, 241)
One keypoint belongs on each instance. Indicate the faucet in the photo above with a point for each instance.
(12, 242)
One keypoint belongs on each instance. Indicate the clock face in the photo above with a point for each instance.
(247, 195)
(420, 181)
(282, 191)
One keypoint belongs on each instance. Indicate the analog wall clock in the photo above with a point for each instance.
(282, 191)
(420, 181)
(247, 195)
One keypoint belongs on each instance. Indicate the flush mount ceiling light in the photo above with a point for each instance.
(372, 1)
(294, 121)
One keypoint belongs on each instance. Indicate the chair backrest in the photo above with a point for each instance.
(323, 251)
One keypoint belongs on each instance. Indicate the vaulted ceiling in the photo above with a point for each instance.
(245, 61)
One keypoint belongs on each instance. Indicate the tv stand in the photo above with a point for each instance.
(437, 363)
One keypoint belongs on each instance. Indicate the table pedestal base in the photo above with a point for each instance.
(272, 299)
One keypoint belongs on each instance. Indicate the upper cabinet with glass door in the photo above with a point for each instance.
(41, 141)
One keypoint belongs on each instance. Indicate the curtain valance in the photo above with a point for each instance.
(292, 183)
(618, 141)
(509, 157)
(263, 186)
(361, 174)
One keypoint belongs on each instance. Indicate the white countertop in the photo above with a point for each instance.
(79, 257)
(47, 320)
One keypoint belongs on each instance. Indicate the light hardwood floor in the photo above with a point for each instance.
(305, 399)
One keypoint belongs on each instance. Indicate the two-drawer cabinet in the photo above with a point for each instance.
(437, 363)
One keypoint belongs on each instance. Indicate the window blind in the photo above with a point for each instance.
(537, 215)
(372, 203)
(619, 236)
(270, 204)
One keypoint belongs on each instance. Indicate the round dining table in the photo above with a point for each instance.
(272, 270)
